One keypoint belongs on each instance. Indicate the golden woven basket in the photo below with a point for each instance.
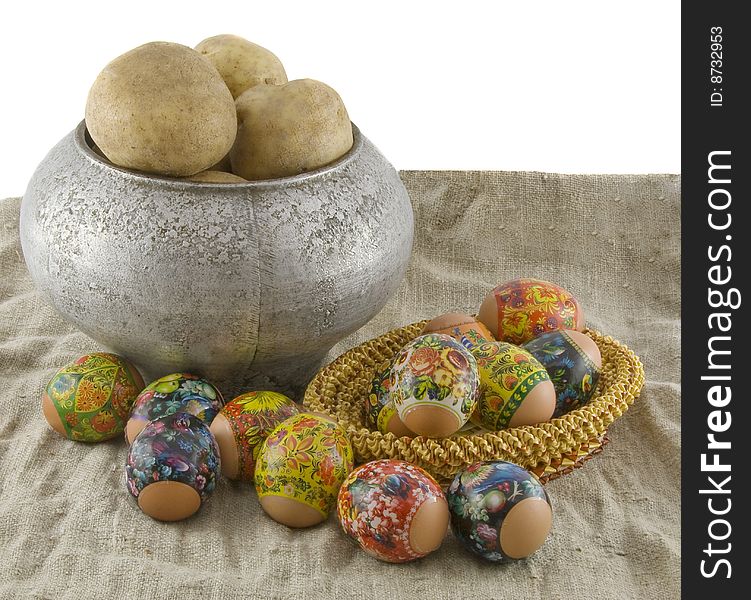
(550, 449)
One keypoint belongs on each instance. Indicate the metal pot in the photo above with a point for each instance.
(247, 284)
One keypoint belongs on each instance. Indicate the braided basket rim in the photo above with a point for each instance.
(541, 448)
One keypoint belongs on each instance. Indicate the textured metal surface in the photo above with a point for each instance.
(247, 284)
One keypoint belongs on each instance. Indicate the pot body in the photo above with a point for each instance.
(249, 285)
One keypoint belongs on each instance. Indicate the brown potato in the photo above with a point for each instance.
(289, 129)
(216, 177)
(161, 108)
(242, 64)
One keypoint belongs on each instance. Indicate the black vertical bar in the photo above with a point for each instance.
(716, 378)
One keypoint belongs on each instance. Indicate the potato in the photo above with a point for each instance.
(161, 108)
(216, 177)
(289, 129)
(242, 64)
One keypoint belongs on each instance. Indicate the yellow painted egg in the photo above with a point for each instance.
(434, 385)
(90, 399)
(515, 389)
(243, 424)
(300, 467)
(520, 310)
(465, 329)
(380, 410)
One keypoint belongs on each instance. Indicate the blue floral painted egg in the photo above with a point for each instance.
(178, 392)
(499, 511)
(172, 466)
(573, 362)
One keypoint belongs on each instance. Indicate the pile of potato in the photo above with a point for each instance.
(222, 112)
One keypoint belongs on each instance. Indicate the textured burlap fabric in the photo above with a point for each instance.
(68, 529)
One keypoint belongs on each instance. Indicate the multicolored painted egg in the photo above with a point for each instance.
(499, 511)
(243, 424)
(90, 399)
(515, 389)
(179, 392)
(380, 410)
(434, 385)
(172, 466)
(300, 467)
(522, 309)
(573, 362)
(465, 329)
(394, 510)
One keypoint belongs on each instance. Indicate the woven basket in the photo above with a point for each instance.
(550, 449)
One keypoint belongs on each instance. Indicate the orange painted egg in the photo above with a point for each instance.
(243, 424)
(394, 510)
(520, 310)
(465, 329)
(90, 399)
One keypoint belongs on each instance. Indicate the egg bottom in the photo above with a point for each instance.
(290, 512)
(169, 500)
(526, 527)
(429, 526)
(52, 416)
(431, 421)
(228, 450)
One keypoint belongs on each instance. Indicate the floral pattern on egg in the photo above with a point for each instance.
(94, 395)
(252, 416)
(377, 503)
(178, 447)
(306, 458)
(435, 369)
(571, 370)
(481, 496)
(178, 392)
(527, 308)
(508, 374)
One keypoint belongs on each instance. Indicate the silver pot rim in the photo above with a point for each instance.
(82, 137)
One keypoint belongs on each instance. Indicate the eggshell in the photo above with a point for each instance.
(520, 310)
(172, 466)
(515, 389)
(90, 399)
(300, 467)
(499, 511)
(465, 329)
(394, 510)
(573, 362)
(380, 410)
(241, 426)
(178, 392)
(434, 385)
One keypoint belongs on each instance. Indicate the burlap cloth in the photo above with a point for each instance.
(69, 530)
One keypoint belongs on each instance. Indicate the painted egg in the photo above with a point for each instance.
(522, 309)
(172, 466)
(515, 389)
(394, 510)
(300, 467)
(434, 385)
(380, 411)
(499, 511)
(179, 392)
(90, 399)
(243, 424)
(465, 329)
(573, 362)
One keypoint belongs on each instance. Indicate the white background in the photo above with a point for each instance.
(577, 86)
